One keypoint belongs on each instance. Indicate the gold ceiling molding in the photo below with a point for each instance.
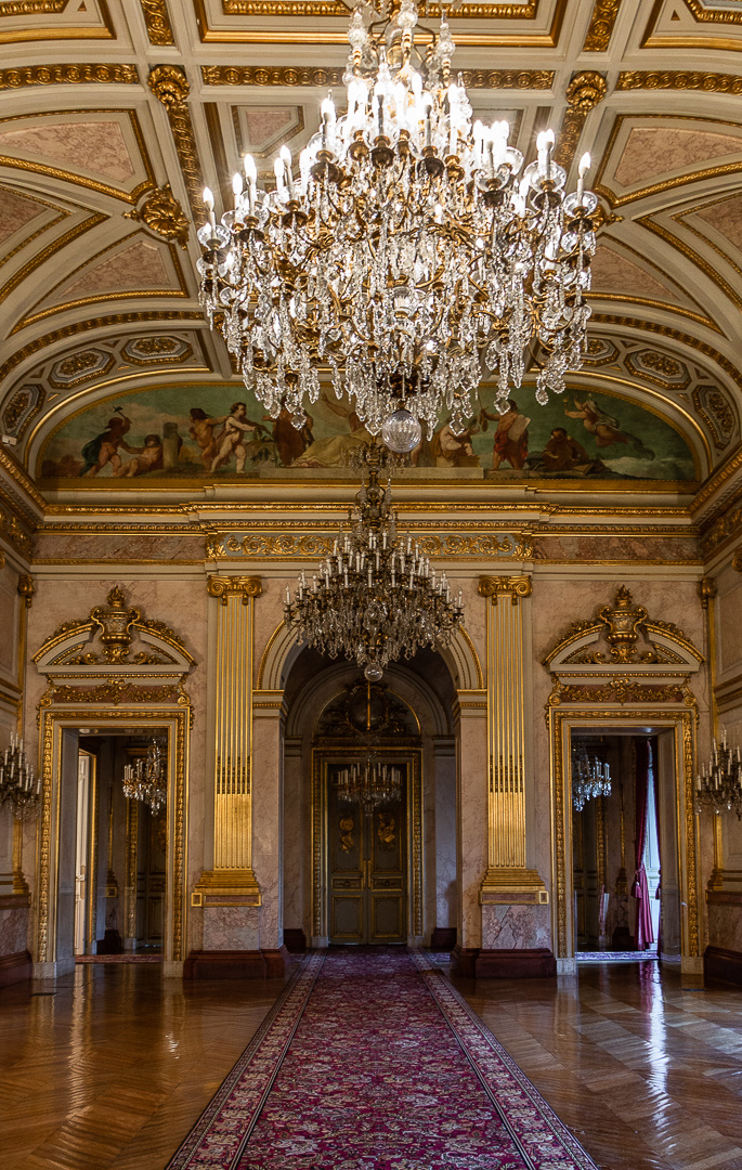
(601, 25)
(714, 15)
(737, 561)
(293, 75)
(21, 480)
(162, 214)
(112, 320)
(81, 73)
(285, 13)
(170, 86)
(585, 91)
(51, 32)
(719, 16)
(679, 79)
(157, 22)
(696, 259)
(100, 298)
(722, 532)
(668, 332)
(43, 254)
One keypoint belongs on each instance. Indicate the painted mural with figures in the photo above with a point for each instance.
(217, 431)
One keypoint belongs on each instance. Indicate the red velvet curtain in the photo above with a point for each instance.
(640, 888)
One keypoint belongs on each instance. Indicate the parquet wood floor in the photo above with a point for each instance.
(109, 1068)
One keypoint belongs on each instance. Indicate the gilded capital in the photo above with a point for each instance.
(737, 560)
(707, 590)
(170, 85)
(517, 587)
(586, 90)
(226, 587)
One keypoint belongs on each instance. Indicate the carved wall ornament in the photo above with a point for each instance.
(163, 215)
(621, 634)
(115, 691)
(26, 588)
(222, 546)
(717, 412)
(115, 621)
(619, 690)
(586, 90)
(21, 407)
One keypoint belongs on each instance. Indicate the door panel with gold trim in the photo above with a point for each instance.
(367, 869)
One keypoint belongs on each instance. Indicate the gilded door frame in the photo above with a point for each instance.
(53, 721)
(682, 722)
(321, 756)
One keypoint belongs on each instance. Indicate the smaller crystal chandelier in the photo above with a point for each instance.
(145, 778)
(370, 781)
(591, 777)
(376, 598)
(719, 784)
(19, 788)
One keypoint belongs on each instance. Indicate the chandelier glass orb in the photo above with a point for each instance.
(591, 777)
(412, 250)
(376, 598)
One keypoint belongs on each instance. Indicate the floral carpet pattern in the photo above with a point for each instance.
(372, 1061)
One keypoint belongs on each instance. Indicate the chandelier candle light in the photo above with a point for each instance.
(591, 777)
(719, 784)
(18, 786)
(376, 599)
(371, 781)
(411, 248)
(145, 779)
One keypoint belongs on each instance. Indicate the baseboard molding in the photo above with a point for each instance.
(722, 966)
(294, 940)
(473, 962)
(443, 938)
(264, 964)
(15, 968)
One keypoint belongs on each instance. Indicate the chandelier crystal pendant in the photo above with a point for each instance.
(19, 788)
(145, 779)
(591, 777)
(719, 783)
(370, 781)
(412, 249)
(376, 599)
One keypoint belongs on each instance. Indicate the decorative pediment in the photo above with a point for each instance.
(115, 640)
(622, 635)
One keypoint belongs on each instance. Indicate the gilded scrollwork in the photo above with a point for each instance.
(162, 214)
(679, 79)
(116, 691)
(225, 587)
(601, 25)
(170, 86)
(80, 73)
(157, 21)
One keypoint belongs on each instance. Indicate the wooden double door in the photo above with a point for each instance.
(367, 869)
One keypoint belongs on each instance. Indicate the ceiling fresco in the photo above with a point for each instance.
(115, 113)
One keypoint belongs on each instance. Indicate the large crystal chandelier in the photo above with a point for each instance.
(19, 787)
(719, 783)
(376, 599)
(370, 781)
(412, 248)
(591, 777)
(145, 779)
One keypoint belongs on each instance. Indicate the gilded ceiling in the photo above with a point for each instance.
(115, 113)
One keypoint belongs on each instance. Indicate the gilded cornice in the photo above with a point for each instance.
(714, 15)
(170, 86)
(294, 75)
(668, 332)
(601, 25)
(157, 22)
(79, 73)
(679, 79)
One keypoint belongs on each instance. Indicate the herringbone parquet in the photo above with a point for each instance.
(110, 1071)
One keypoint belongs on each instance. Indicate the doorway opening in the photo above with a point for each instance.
(624, 845)
(120, 856)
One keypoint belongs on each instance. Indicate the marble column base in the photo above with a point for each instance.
(443, 938)
(237, 964)
(15, 968)
(722, 966)
(477, 963)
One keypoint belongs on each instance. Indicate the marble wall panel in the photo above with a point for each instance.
(725, 926)
(231, 928)
(515, 927)
(13, 930)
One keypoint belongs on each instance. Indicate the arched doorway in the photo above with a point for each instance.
(387, 872)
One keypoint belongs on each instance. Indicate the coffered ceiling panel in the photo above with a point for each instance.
(43, 20)
(692, 24)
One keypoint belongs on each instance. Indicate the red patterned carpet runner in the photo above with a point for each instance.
(372, 1061)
